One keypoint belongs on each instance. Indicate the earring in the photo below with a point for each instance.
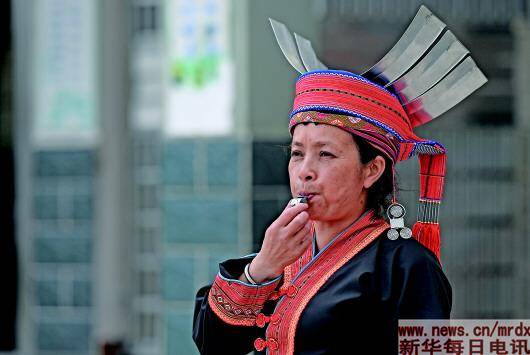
(395, 213)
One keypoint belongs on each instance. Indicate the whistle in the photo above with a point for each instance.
(295, 201)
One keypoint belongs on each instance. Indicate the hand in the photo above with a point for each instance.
(285, 240)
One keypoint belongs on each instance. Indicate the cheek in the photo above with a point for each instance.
(292, 175)
(343, 184)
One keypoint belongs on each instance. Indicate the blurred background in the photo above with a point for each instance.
(141, 144)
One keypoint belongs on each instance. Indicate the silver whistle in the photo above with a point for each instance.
(295, 201)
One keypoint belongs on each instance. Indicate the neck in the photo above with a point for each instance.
(327, 230)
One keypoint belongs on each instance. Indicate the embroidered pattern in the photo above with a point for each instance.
(334, 119)
(237, 303)
(431, 148)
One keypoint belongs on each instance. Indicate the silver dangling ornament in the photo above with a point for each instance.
(395, 213)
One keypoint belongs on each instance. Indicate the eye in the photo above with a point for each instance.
(296, 153)
(323, 153)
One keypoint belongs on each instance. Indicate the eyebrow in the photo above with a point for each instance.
(316, 144)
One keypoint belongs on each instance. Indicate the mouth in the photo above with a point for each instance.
(308, 195)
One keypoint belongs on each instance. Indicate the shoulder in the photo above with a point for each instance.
(406, 253)
(412, 275)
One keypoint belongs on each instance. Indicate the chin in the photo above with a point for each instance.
(315, 214)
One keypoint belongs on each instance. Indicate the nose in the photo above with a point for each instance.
(307, 170)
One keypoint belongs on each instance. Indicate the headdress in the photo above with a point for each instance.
(427, 72)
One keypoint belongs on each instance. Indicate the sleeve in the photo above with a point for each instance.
(425, 292)
(225, 312)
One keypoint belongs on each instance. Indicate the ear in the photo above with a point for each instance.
(373, 171)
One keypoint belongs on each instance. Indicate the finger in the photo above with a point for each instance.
(289, 214)
(297, 223)
(304, 243)
(303, 233)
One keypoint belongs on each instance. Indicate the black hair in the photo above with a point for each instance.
(380, 193)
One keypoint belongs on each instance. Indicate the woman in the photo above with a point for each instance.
(356, 308)
(333, 276)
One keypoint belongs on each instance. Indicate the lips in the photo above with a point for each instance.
(308, 195)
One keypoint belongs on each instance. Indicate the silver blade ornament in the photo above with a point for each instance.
(307, 54)
(287, 45)
(456, 86)
(440, 60)
(417, 39)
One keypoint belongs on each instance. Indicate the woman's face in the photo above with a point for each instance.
(326, 165)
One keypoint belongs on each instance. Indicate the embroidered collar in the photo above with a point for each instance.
(315, 252)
